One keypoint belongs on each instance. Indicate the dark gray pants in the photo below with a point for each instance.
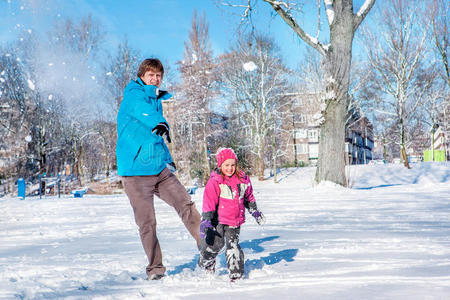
(140, 191)
(215, 241)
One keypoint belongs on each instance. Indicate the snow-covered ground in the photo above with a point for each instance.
(386, 238)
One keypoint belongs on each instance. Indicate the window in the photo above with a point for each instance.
(300, 133)
(313, 151)
(302, 148)
(313, 135)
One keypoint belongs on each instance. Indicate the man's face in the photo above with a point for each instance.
(152, 78)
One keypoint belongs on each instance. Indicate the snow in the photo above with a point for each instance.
(388, 237)
(31, 84)
(364, 8)
(249, 66)
(330, 10)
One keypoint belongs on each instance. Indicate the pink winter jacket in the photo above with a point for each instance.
(227, 195)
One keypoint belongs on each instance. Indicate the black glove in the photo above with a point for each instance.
(162, 129)
(172, 167)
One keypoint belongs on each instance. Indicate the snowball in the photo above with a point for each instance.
(109, 74)
(28, 138)
(249, 66)
(50, 97)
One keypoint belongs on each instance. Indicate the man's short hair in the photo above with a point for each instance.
(150, 64)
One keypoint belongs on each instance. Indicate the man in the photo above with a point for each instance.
(142, 160)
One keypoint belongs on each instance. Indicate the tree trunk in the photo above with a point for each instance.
(206, 165)
(260, 166)
(331, 164)
(274, 158)
(403, 149)
(295, 142)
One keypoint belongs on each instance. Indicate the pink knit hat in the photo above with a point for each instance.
(223, 154)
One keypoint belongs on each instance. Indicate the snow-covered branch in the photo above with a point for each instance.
(329, 8)
(247, 7)
(362, 13)
(313, 42)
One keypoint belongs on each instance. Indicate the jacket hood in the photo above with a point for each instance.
(140, 85)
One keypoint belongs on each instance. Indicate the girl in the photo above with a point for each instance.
(227, 194)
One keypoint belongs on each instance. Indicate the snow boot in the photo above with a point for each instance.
(155, 276)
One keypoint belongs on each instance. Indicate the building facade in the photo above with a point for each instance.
(303, 128)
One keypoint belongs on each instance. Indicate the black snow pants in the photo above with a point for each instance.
(214, 242)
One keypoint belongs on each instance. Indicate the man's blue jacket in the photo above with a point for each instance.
(139, 151)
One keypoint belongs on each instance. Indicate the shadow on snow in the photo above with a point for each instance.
(251, 264)
(375, 187)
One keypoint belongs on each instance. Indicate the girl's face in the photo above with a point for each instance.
(228, 167)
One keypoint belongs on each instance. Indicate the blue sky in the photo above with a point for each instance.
(155, 27)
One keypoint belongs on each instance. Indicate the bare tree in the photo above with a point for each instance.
(342, 22)
(437, 14)
(256, 78)
(398, 57)
(79, 41)
(196, 91)
(84, 37)
(119, 70)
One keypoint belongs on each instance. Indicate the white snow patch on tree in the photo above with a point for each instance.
(330, 95)
(317, 116)
(330, 10)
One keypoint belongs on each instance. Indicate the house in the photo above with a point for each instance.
(303, 126)
(359, 141)
(442, 132)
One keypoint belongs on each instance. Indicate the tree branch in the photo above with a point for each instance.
(362, 13)
(313, 42)
(329, 8)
